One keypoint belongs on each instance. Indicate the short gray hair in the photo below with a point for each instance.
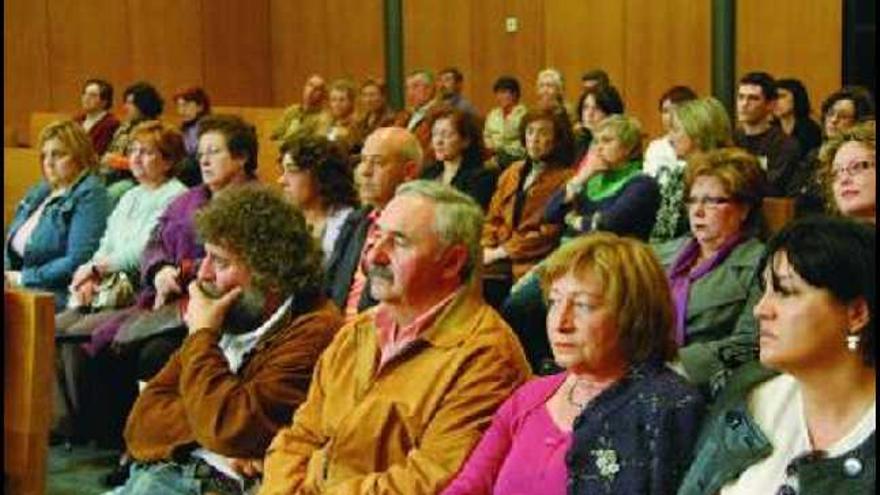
(458, 219)
(555, 75)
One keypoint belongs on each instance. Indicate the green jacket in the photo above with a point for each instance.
(720, 329)
(731, 441)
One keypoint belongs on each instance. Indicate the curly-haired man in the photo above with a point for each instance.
(257, 321)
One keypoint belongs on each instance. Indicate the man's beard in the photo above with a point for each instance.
(246, 312)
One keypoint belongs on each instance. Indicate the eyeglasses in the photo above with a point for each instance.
(851, 169)
(141, 150)
(710, 202)
(839, 115)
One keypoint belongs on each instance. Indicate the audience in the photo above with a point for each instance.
(616, 420)
(551, 94)
(594, 78)
(593, 107)
(96, 117)
(309, 115)
(104, 285)
(391, 156)
(501, 130)
(59, 223)
(144, 336)
(697, 126)
(449, 82)
(317, 179)
(374, 111)
(405, 390)
(803, 419)
(792, 111)
(612, 194)
(849, 162)
(141, 102)
(192, 106)
(257, 323)
(516, 236)
(712, 269)
(458, 150)
(777, 153)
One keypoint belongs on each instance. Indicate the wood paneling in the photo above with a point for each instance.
(666, 44)
(792, 38)
(236, 47)
(21, 171)
(25, 65)
(28, 369)
(301, 42)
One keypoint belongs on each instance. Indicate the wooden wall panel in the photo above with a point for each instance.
(584, 35)
(301, 42)
(236, 52)
(25, 65)
(86, 39)
(166, 46)
(666, 43)
(792, 38)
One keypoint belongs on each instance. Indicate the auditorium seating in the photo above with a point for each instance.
(21, 171)
(777, 212)
(28, 355)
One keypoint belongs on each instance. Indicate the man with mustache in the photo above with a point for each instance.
(406, 389)
(390, 157)
(257, 321)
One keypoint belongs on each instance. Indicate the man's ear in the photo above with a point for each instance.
(858, 315)
(411, 170)
(453, 261)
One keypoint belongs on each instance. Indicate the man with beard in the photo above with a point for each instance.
(257, 322)
(405, 391)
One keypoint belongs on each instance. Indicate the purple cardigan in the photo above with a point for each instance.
(496, 463)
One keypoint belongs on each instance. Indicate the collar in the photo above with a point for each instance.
(236, 347)
(608, 183)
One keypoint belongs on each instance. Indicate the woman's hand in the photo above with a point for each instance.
(166, 285)
(82, 275)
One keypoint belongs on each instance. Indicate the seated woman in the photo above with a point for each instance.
(659, 154)
(808, 425)
(697, 125)
(792, 111)
(515, 234)
(501, 130)
(849, 165)
(192, 105)
(840, 111)
(458, 150)
(712, 269)
(342, 119)
(594, 106)
(611, 194)
(155, 149)
(616, 420)
(316, 177)
(59, 223)
(141, 102)
(374, 110)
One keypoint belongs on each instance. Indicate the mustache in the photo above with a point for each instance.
(377, 271)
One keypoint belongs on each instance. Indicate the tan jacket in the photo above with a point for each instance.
(532, 239)
(196, 399)
(407, 428)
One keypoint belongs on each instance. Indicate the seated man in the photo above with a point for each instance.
(96, 119)
(309, 116)
(405, 391)
(391, 155)
(257, 323)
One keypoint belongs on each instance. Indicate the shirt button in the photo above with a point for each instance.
(852, 467)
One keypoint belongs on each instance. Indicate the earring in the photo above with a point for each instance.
(852, 341)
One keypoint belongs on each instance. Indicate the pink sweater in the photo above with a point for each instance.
(522, 452)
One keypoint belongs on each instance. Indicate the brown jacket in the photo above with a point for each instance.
(196, 399)
(530, 240)
(408, 427)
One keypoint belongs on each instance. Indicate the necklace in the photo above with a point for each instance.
(591, 388)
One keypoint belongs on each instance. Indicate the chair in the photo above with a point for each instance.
(21, 171)
(777, 212)
(29, 354)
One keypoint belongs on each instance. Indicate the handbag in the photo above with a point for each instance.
(114, 291)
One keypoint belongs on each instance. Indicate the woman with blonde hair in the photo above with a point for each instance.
(59, 223)
(849, 167)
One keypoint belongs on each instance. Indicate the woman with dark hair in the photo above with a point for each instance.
(458, 150)
(192, 105)
(793, 113)
(515, 235)
(141, 102)
(803, 419)
(594, 106)
(374, 111)
(501, 130)
(660, 155)
(316, 177)
(341, 105)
